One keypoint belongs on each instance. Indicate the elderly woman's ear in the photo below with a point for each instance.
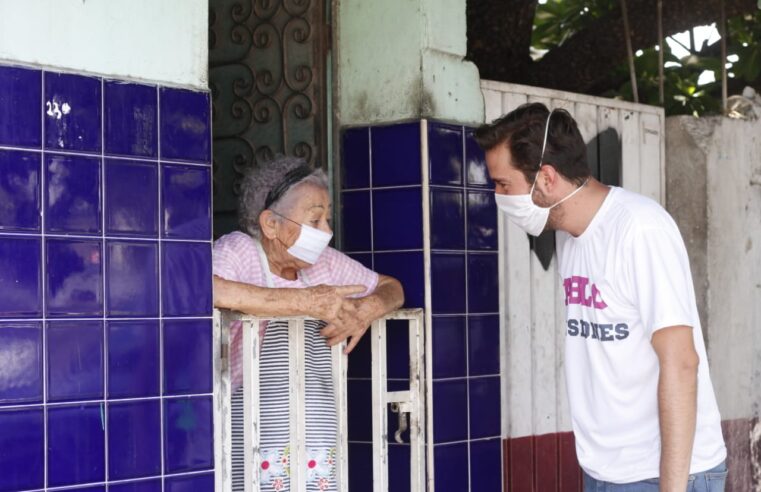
(268, 224)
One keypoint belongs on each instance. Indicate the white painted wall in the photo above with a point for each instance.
(163, 41)
(534, 398)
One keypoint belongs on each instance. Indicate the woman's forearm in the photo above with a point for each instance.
(387, 297)
(259, 301)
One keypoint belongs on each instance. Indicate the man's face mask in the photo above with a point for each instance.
(522, 210)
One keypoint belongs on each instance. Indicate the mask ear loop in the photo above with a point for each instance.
(544, 145)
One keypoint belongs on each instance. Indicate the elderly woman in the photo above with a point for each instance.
(281, 265)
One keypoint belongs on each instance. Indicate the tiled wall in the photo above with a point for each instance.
(383, 227)
(105, 328)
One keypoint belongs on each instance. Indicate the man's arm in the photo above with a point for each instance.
(677, 403)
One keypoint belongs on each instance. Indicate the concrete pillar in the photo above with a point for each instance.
(416, 204)
(403, 59)
(713, 191)
(686, 200)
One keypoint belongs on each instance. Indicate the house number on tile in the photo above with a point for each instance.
(55, 111)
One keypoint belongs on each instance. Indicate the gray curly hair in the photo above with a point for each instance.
(259, 180)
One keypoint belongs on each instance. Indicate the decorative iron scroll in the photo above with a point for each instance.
(266, 72)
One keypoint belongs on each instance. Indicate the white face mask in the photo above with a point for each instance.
(310, 244)
(522, 210)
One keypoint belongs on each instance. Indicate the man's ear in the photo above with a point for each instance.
(268, 224)
(548, 176)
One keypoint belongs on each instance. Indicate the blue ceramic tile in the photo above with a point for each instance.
(451, 468)
(486, 465)
(130, 126)
(20, 189)
(366, 259)
(450, 417)
(397, 349)
(72, 112)
(97, 488)
(483, 345)
(75, 360)
(395, 154)
(398, 466)
(482, 221)
(188, 436)
(20, 281)
(22, 442)
(21, 353)
(447, 219)
(20, 107)
(132, 278)
(185, 132)
(134, 439)
(445, 154)
(194, 483)
(133, 358)
(74, 286)
(186, 274)
(139, 486)
(476, 172)
(187, 356)
(397, 219)
(185, 202)
(483, 283)
(359, 411)
(448, 347)
(360, 466)
(72, 194)
(407, 267)
(355, 210)
(448, 283)
(356, 158)
(132, 197)
(360, 358)
(76, 443)
(484, 407)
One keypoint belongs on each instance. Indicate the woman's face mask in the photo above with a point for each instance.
(310, 244)
(522, 210)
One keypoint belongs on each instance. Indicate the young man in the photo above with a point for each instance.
(643, 408)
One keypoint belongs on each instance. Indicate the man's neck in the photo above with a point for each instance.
(580, 210)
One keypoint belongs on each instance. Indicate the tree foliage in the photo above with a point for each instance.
(579, 46)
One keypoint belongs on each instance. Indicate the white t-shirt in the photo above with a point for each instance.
(625, 277)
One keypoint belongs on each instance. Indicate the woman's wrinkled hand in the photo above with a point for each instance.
(330, 303)
(353, 328)
(346, 317)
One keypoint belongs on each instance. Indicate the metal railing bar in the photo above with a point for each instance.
(297, 385)
(379, 404)
(340, 366)
(251, 452)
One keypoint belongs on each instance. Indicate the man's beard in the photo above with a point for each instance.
(557, 214)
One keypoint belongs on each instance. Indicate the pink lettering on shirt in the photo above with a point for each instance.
(576, 289)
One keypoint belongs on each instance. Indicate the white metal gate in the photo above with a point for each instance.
(410, 403)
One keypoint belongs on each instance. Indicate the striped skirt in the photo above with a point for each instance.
(321, 419)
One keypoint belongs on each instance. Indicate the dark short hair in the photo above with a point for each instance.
(522, 130)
